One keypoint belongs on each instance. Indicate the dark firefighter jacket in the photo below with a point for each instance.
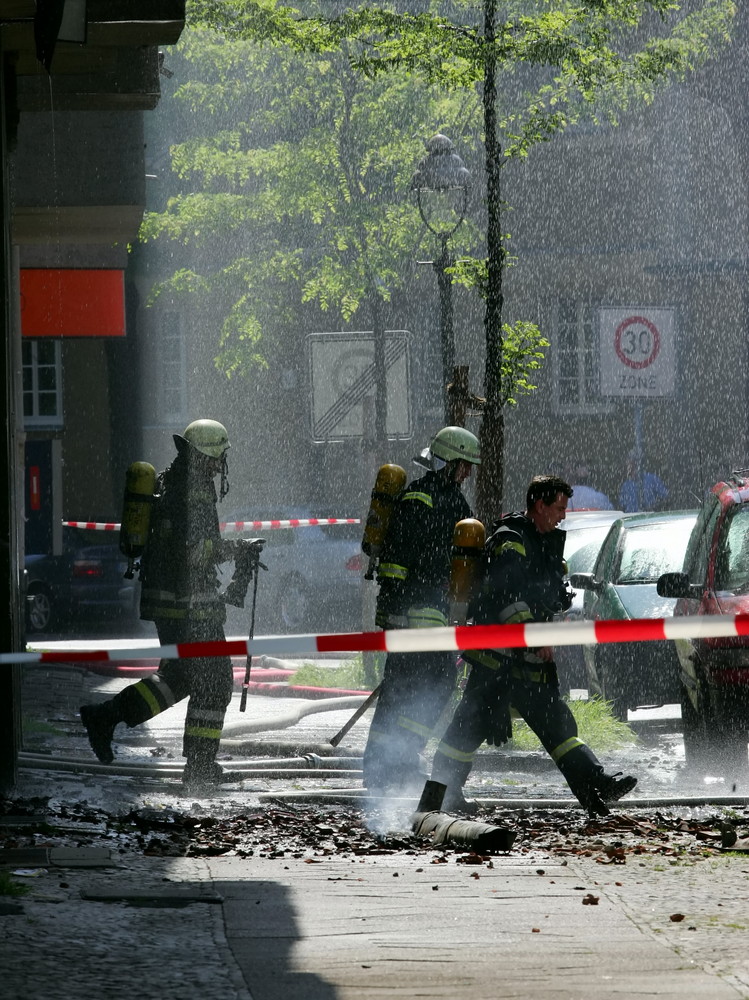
(523, 581)
(179, 568)
(414, 568)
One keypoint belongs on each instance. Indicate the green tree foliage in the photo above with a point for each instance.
(604, 53)
(305, 124)
(294, 177)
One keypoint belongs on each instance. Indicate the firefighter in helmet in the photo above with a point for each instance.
(413, 575)
(523, 582)
(180, 594)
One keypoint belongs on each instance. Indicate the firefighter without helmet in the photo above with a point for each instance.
(208, 436)
(452, 443)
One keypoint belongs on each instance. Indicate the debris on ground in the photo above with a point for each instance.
(305, 831)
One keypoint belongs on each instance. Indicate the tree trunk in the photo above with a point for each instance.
(490, 485)
(380, 374)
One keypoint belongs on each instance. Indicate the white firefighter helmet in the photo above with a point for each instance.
(456, 442)
(208, 436)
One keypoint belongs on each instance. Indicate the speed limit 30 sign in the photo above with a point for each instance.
(637, 351)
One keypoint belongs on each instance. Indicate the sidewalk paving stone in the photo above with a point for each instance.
(400, 927)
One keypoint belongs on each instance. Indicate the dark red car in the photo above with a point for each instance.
(715, 672)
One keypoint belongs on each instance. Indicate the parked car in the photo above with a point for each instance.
(586, 530)
(637, 550)
(84, 585)
(714, 689)
(314, 577)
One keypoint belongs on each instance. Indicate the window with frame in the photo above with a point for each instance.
(172, 366)
(576, 359)
(700, 541)
(41, 361)
(732, 558)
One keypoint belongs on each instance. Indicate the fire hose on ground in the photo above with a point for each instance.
(443, 830)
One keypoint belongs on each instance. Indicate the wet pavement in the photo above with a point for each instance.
(293, 887)
(292, 905)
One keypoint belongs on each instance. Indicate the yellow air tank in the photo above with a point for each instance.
(466, 566)
(389, 482)
(140, 484)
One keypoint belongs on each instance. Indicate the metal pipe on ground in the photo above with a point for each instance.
(443, 829)
(308, 762)
(299, 768)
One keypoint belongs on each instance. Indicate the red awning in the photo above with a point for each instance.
(64, 302)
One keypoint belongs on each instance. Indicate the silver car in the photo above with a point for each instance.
(586, 530)
(313, 581)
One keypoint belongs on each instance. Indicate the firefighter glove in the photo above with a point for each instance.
(246, 564)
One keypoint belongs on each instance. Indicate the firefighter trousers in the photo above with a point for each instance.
(207, 681)
(488, 695)
(415, 689)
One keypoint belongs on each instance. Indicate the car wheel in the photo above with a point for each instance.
(729, 753)
(294, 604)
(570, 670)
(611, 688)
(39, 610)
(728, 736)
(694, 731)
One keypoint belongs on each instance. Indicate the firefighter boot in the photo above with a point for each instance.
(451, 768)
(201, 777)
(584, 774)
(99, 722)
(613, 787)
(455, 801)
(201, 774)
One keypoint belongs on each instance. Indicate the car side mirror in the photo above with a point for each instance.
(584, 581)
(674, 585)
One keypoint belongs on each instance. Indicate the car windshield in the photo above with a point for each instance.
(648, 550)
(582, 546)
(732, 562)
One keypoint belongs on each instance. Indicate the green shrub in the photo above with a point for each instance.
(598, 727)
(8, 887)
(350, 675)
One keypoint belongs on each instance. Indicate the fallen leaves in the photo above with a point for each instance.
(613, 856)
(311, 833)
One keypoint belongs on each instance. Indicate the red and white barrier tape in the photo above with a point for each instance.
(293, 522)
(92, 525)
(425, 639)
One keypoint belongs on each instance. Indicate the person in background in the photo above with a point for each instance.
(413, 575)
(524, 582)
(641, 491)
(586, 496)
(179, 593)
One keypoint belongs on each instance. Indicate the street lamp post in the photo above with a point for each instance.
(441, 185)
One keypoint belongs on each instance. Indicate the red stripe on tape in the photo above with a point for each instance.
(490, 636)
(68, 656)
(231, 647)
(352, 642)
(628, 631)
(742, 624)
